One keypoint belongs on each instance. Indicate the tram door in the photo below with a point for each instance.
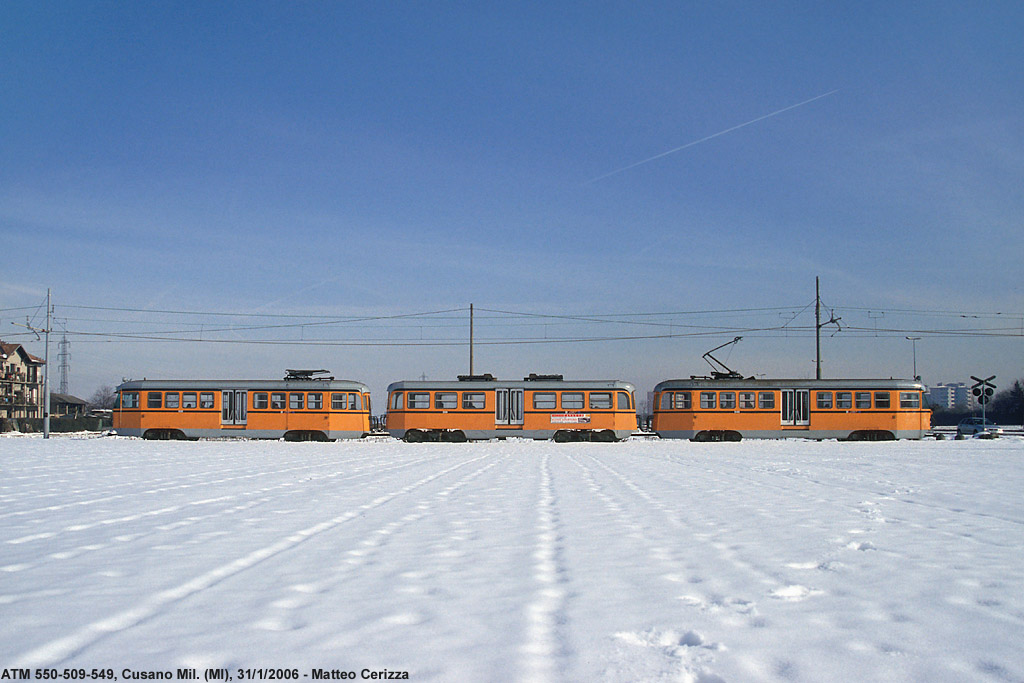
(796, 407)
(508, 407)
(233, 407)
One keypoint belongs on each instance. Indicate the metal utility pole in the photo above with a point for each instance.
(914, 341)
(471, 340)
(46, 372)
(46, 362)
(818, 325)
(817, 328)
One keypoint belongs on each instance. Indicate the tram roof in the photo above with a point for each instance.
(768, 383)
(240, 384)
(544, 385)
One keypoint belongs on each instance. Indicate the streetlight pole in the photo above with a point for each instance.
(914, 340)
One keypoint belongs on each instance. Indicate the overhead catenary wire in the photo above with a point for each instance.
(496, 326)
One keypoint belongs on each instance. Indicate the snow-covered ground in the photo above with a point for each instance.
(637, 561)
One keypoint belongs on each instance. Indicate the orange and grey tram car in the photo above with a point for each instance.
(539, 407)
(735, 409)
(298, 408)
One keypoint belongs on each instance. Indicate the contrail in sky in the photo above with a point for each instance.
(714, 135)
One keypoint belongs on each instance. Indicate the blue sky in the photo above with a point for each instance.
(369, 159)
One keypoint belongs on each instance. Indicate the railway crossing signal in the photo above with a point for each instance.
(983, 390)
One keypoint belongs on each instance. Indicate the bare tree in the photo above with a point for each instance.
(104, 397)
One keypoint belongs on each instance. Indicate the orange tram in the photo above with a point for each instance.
(539, 407)
(703, 409)
(298, 408)
(302, 407)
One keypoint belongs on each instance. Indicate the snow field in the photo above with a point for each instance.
(642, 560)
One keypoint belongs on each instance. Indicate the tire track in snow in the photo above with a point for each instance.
(367, 470)
(172, 486)
(673, 649)
(774, 577)
(854, 504)
(111, 480)
(546, 609)
(60, 649)
(281, 609)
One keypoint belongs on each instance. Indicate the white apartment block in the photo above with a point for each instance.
(951, 395)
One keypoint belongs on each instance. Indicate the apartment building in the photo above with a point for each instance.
(21, 382)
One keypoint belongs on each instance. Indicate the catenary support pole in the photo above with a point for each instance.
(817, 328)
(46, 373)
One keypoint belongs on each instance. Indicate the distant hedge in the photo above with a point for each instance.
(57, 424)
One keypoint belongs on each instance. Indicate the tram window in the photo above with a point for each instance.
(766, 400)
(206, 400)
(419, 400)
(824, 400)
(727, 399)
(315, 401)
(600, 401)
(544, 401)
(260, 400)
(155, 399)
(295, 401)
(882, 399)
(366, 402)
(747, 400)
(862, 399)
(844, 400)
(447, 400)
(397, 400)
(666, 400)
(338, 401)
(473, 401)
(188, 400)
(130, 400)
(355, 402)
(572, 401)
(277, 401)
(682, 400)
(624, 401)
(172, 399)
(708, 400)
(910, 399)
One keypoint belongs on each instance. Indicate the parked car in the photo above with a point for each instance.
(977, 425)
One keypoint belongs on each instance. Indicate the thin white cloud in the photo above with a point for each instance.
(710, 137)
